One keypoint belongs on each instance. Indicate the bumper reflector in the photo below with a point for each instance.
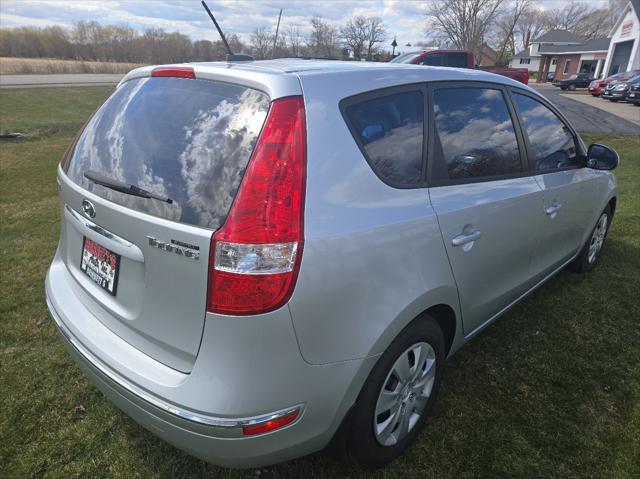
(270, 425)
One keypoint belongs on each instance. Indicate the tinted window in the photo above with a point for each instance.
(406, 58)
(189, 140)
(457, 60)
(434, 60)
(390, 130)
(475, 135)
(552, 144)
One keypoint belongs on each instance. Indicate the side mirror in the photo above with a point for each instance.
(600, 157)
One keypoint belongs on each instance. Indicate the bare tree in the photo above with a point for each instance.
(261, 43)
(586, 21)
(567, 17)
(465, 22)
(323, 40)
(376, 33)
(295, 41)
(531, 26)
(354, 35)
(506, 28)
(595, 24)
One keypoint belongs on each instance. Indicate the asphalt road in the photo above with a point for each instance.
(585, 117)
(79, 79)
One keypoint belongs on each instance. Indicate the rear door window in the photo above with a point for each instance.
(389, 131)
(551, 143)
(189, 140)
(475, 137)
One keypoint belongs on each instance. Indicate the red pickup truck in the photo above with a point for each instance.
(459, 59)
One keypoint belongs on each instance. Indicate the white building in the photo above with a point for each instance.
(624, 52)
(530, 58)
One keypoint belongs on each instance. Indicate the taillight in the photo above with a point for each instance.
(256, 254)
(179, 72)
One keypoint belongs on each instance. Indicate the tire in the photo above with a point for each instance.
(572, 87)
(563, 88)
(593, 94)
(422, 338)
(587, 259)
(612, 100)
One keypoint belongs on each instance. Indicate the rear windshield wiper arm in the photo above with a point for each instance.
(126, 188)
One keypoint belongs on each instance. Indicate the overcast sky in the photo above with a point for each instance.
(403, 18)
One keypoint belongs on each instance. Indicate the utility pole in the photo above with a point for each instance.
(275, 38)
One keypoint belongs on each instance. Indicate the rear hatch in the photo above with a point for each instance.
(140, 264)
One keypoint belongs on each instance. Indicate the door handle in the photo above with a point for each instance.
(553, 209)
(466, 238)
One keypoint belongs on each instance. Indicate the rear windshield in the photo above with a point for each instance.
(189, 140)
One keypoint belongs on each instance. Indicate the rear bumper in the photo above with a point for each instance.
(234, 382)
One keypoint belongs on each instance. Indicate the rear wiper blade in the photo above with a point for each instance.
(126, 188)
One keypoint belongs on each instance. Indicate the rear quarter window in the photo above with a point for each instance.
(389, 129)
(189, 140)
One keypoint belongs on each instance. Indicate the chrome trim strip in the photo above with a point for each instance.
(520, 298)
(98, 229)
(218, 422)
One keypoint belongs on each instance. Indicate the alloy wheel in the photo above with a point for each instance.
(597, 238)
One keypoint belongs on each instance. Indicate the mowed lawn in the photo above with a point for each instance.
(550, 390)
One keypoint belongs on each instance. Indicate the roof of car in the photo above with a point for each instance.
(282, 77)
(302, 67)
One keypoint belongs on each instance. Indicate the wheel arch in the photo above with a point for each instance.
(445, 316)
(612, 206)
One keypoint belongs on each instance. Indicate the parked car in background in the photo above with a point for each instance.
(458, 59)
(438, 58)
(579, 80)
(518, 74)
(597, 86)
(633, 94)
(218, 220)
(551, 76)
(618, 89)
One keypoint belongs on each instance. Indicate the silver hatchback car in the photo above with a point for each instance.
(261, 259)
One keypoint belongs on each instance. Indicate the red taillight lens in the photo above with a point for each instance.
(256, 254)
(179, 72)
(271, 425)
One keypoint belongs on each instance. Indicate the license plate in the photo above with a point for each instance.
(632, 95)
(101, 265)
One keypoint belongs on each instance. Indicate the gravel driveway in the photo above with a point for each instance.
(584, 117)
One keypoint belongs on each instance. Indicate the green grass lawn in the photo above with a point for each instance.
(550, 390)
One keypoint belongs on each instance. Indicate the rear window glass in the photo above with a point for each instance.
(189, 140)
(389, 130)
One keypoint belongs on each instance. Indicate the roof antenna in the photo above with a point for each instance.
(231, 57)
